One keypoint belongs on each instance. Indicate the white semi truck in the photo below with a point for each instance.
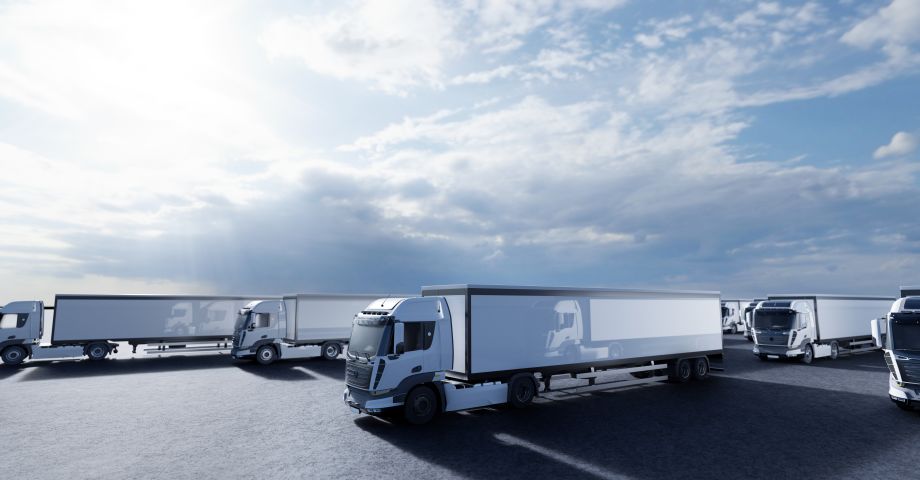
(460, 347)
(898, 334)
(733, 315)
(292, 327)
(90, 325)
(815, 326)
(748, 316)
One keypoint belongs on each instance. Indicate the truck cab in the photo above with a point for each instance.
(258, 328)
(20, 330)
(398, 344)
(898, 334)
(784, 329)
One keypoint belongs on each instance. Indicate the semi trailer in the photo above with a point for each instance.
(748, 316)
(898, 334)
(815, 326)
(293, 326)
(90, 325)
(460, 347)
(733, 315)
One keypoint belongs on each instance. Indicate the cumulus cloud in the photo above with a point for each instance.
(902, 143)
(895, 26)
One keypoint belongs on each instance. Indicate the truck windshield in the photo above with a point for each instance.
(905, 337)
(774, 320)
(369, 340)
(241, 320)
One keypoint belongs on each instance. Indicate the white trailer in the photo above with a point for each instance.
(89, 325)
(898, 334)
(293, 326)
(733, 315)
(815, 326)
(460, 347)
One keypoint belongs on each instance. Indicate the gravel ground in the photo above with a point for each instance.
(208, 416)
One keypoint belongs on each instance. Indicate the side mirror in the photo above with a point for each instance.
(399, 332)
(876, 332)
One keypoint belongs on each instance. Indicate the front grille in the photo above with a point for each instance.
(236, 340)
(772, 338)
(910, 370)
(358, 374)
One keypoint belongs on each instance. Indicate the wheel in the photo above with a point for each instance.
(749, 338)
(700, 368)
(421, 405)
(680, 372)
(266, 354)
(331, 350)
(904, 406)
(521, 390)
(13, 355)
(835, 350)
(762, 357)
(809, 354)
(734, 329)
(97, 351)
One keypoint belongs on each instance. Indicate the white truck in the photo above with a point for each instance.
(898, 334)
(90, 325)
(815, 326)
(460, 347)
(293, 326)
(748, 316)
(733, 315)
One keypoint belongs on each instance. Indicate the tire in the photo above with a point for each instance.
(762, 357)
(97, 351)
(809, 354)
(700, 368)
(680, 372)
(750, 339)
(13, 355)
(266, 355)
(331, 350)
(835, 350)
(521, 390)
(904, 406)
(421, 405)
(734, 329)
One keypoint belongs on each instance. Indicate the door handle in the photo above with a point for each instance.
(416, 369)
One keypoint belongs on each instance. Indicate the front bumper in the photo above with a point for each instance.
(781, 351)
(361, 401)
(907, 394)
(238, 353)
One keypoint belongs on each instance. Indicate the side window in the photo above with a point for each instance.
(263, 320)
(13, 320)
(418, 335)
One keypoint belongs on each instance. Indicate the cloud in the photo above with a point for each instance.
(895, 26)
(392, 45)
(902, 143)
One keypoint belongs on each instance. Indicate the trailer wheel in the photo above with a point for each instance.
(13, 355)
(521, 390)
(835, 350)
(331, 350)
(809, 354)
(421, 405)
(680, 372)
(97, 351)
(700, 368)
(266, 354)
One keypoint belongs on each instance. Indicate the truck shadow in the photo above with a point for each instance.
(723, 428)
(296, 369)
(743, 360)
(57, 369)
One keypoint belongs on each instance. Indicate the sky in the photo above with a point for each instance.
(237, 147)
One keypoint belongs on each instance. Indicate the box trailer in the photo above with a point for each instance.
(733, 315)
(898, 334)
(293, 326)
(90, 325)
(459, 347)
(910, 291)
(815, 326)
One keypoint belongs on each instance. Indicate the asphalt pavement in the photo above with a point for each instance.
(208, 416)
